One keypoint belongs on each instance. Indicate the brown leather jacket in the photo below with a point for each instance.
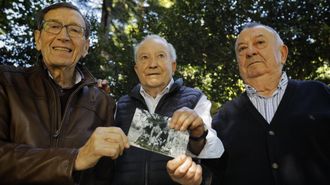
(37, 144)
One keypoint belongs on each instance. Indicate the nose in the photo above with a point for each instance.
(153, 62)
(63, 35)
(251, 51)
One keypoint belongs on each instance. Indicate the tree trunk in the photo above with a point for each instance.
(105, 20)
(105, 27)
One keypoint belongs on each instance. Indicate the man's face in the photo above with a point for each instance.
(154, 66)
(60, 50)
(258, 54)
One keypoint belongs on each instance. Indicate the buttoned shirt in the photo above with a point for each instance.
(267, 106)
(213, 147)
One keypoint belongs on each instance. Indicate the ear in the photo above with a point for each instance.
(284, 53)
(173, 67)
(37, 35)
(135, 69)
(85, 48)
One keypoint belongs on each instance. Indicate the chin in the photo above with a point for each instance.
(154, 84)
(255, 72)
(254, 75)
(153, 80)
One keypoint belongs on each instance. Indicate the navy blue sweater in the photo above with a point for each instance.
(141, 167)
(294, 149)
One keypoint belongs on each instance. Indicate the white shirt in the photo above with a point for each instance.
(213, 147)
(267, 106)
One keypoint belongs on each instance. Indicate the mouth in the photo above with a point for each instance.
(153, 74)
(254, 62)
(59, 48)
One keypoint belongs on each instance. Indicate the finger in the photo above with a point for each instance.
(104, 82)
(124, 139)
(184, 118)
(116, 140)
(107, 136)
(192, 121)
(99, 83)
(176, 115)
(173, 120)
(191, 172)
(173, 164)
(194, 174)
(106, 86)
(112, 150)
(198, 173)
(118, 132)
(182, 169)
(178, 118)
(112, 135)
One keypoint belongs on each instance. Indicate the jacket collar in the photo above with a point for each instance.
(135, 93)
(86, 76)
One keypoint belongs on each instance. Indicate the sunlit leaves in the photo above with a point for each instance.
(323, 73)
(167, 3)
(203, 33)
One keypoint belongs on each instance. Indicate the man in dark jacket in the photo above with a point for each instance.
(277, 131)
(189, 109)
(54, 122)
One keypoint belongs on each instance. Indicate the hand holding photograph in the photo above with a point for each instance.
(151, 132)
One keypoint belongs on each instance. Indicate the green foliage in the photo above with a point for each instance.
(16, 23)
(111, 57)
(203, 33)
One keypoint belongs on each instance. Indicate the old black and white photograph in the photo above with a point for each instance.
(151, 132)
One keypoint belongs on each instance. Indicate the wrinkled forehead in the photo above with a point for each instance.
(152, 44)
(65, 15)
(255, 32)
(250, 34)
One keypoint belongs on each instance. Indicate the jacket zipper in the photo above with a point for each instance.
(57, 134)
(55, 116)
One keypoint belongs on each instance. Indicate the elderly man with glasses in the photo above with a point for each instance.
(54, 122)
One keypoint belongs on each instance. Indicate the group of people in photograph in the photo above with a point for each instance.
(58, 127)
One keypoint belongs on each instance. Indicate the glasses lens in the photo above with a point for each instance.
(75, 31)
(56, 27)
(52, 27)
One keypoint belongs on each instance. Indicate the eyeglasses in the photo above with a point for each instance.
(54, 27)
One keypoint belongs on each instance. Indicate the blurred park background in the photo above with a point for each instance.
(202, 31)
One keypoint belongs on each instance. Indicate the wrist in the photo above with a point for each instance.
(200, 138)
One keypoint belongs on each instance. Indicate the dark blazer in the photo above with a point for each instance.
(294, 149)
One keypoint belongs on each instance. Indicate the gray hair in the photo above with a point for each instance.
(170, 47)
(278, 39)
(40, 16)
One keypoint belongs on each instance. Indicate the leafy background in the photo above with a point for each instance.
(203, 33)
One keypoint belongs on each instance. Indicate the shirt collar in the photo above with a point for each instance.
(164, 91)
(78, 77)
(281, 85)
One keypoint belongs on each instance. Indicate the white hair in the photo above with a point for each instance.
(278, 39)
(170, 47)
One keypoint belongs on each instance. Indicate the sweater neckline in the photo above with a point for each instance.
(284, 105)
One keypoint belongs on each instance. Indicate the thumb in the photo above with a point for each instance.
(173, 164)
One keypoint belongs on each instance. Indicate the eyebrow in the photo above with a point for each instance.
(258, 36)
(162, 51)
(55, 20)
(142, 53)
